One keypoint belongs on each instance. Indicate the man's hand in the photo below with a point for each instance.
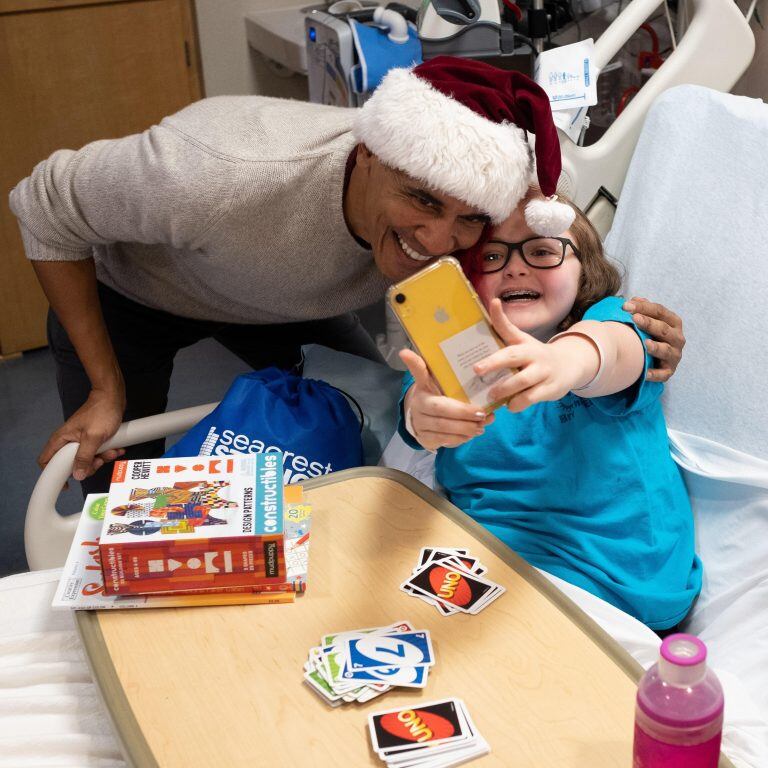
(666, 328)
(439, 421)
(91, 426)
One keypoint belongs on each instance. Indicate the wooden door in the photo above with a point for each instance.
(71, 75)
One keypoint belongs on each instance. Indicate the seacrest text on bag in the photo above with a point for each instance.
(296, 468)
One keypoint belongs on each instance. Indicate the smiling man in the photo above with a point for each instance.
(406, 222)
(263, 223)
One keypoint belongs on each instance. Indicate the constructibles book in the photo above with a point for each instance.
(297, 521)
(190, 524)
(81, 585)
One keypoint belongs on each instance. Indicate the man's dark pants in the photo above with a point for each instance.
(147, 340)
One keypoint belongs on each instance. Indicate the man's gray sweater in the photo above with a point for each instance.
(229, 210)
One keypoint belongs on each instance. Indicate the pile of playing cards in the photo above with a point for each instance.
(438, 735)
(451, 580)
(364, 663)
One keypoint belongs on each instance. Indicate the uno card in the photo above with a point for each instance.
(394, 650)
(441, 608)
(440, 755)
(321, 688)
(452, 586)
(339, 679)
(333, 656)
(406, 728)
(444, 757)
(470, 564)
(329, 673)
(467, 562)
(425, 554)
(332, 664)
(399, 626)
(407, 677)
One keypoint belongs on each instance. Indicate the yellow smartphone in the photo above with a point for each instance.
(449, 328)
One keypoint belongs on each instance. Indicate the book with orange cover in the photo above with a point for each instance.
(192, 524)
(81, 585)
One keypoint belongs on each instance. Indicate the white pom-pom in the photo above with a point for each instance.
(548, 217)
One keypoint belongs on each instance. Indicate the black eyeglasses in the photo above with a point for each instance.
(537, 252)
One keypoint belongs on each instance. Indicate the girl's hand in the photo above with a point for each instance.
(544, 371)
(439, 421)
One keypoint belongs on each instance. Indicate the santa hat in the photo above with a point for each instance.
(459, 126)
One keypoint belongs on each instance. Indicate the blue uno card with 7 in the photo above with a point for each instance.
(410, 677)
(400, 649)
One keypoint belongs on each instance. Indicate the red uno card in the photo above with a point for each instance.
(422, 725)
(451, 585)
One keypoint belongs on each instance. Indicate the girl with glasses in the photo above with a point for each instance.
(575, 473)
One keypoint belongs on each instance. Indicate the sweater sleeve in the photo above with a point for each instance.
(408, 438)
(157, 187)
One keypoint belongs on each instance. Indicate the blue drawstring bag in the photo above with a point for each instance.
(270, 410)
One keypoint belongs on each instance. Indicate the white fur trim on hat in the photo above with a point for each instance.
(548, 217)
(411, 126)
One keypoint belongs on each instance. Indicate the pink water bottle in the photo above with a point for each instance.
(679, 712)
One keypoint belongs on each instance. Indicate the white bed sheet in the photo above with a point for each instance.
(729, 495)
(50, 710)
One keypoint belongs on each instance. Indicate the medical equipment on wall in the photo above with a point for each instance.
(351, 45)
(471, 28)
(330, 59)
(485, 28)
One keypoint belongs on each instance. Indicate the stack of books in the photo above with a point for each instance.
(190, 531)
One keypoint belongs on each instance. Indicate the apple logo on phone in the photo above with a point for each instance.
(441, 315)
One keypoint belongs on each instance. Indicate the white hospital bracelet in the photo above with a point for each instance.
(601, 355)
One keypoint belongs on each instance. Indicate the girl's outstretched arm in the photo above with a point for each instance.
(591, 359)
(620, 355)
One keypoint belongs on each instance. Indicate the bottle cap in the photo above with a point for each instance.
(683, 660)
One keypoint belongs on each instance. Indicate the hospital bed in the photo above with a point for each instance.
(722, 452)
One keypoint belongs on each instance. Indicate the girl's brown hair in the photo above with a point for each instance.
(599, 277)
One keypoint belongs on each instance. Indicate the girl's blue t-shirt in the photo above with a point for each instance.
(586, 489)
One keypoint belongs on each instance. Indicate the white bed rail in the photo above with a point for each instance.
(47, 534)
(714, 51)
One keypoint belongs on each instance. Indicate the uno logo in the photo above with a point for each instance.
(414, 725)
(449, 585)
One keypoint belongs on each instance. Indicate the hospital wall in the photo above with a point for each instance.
(230, 66)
